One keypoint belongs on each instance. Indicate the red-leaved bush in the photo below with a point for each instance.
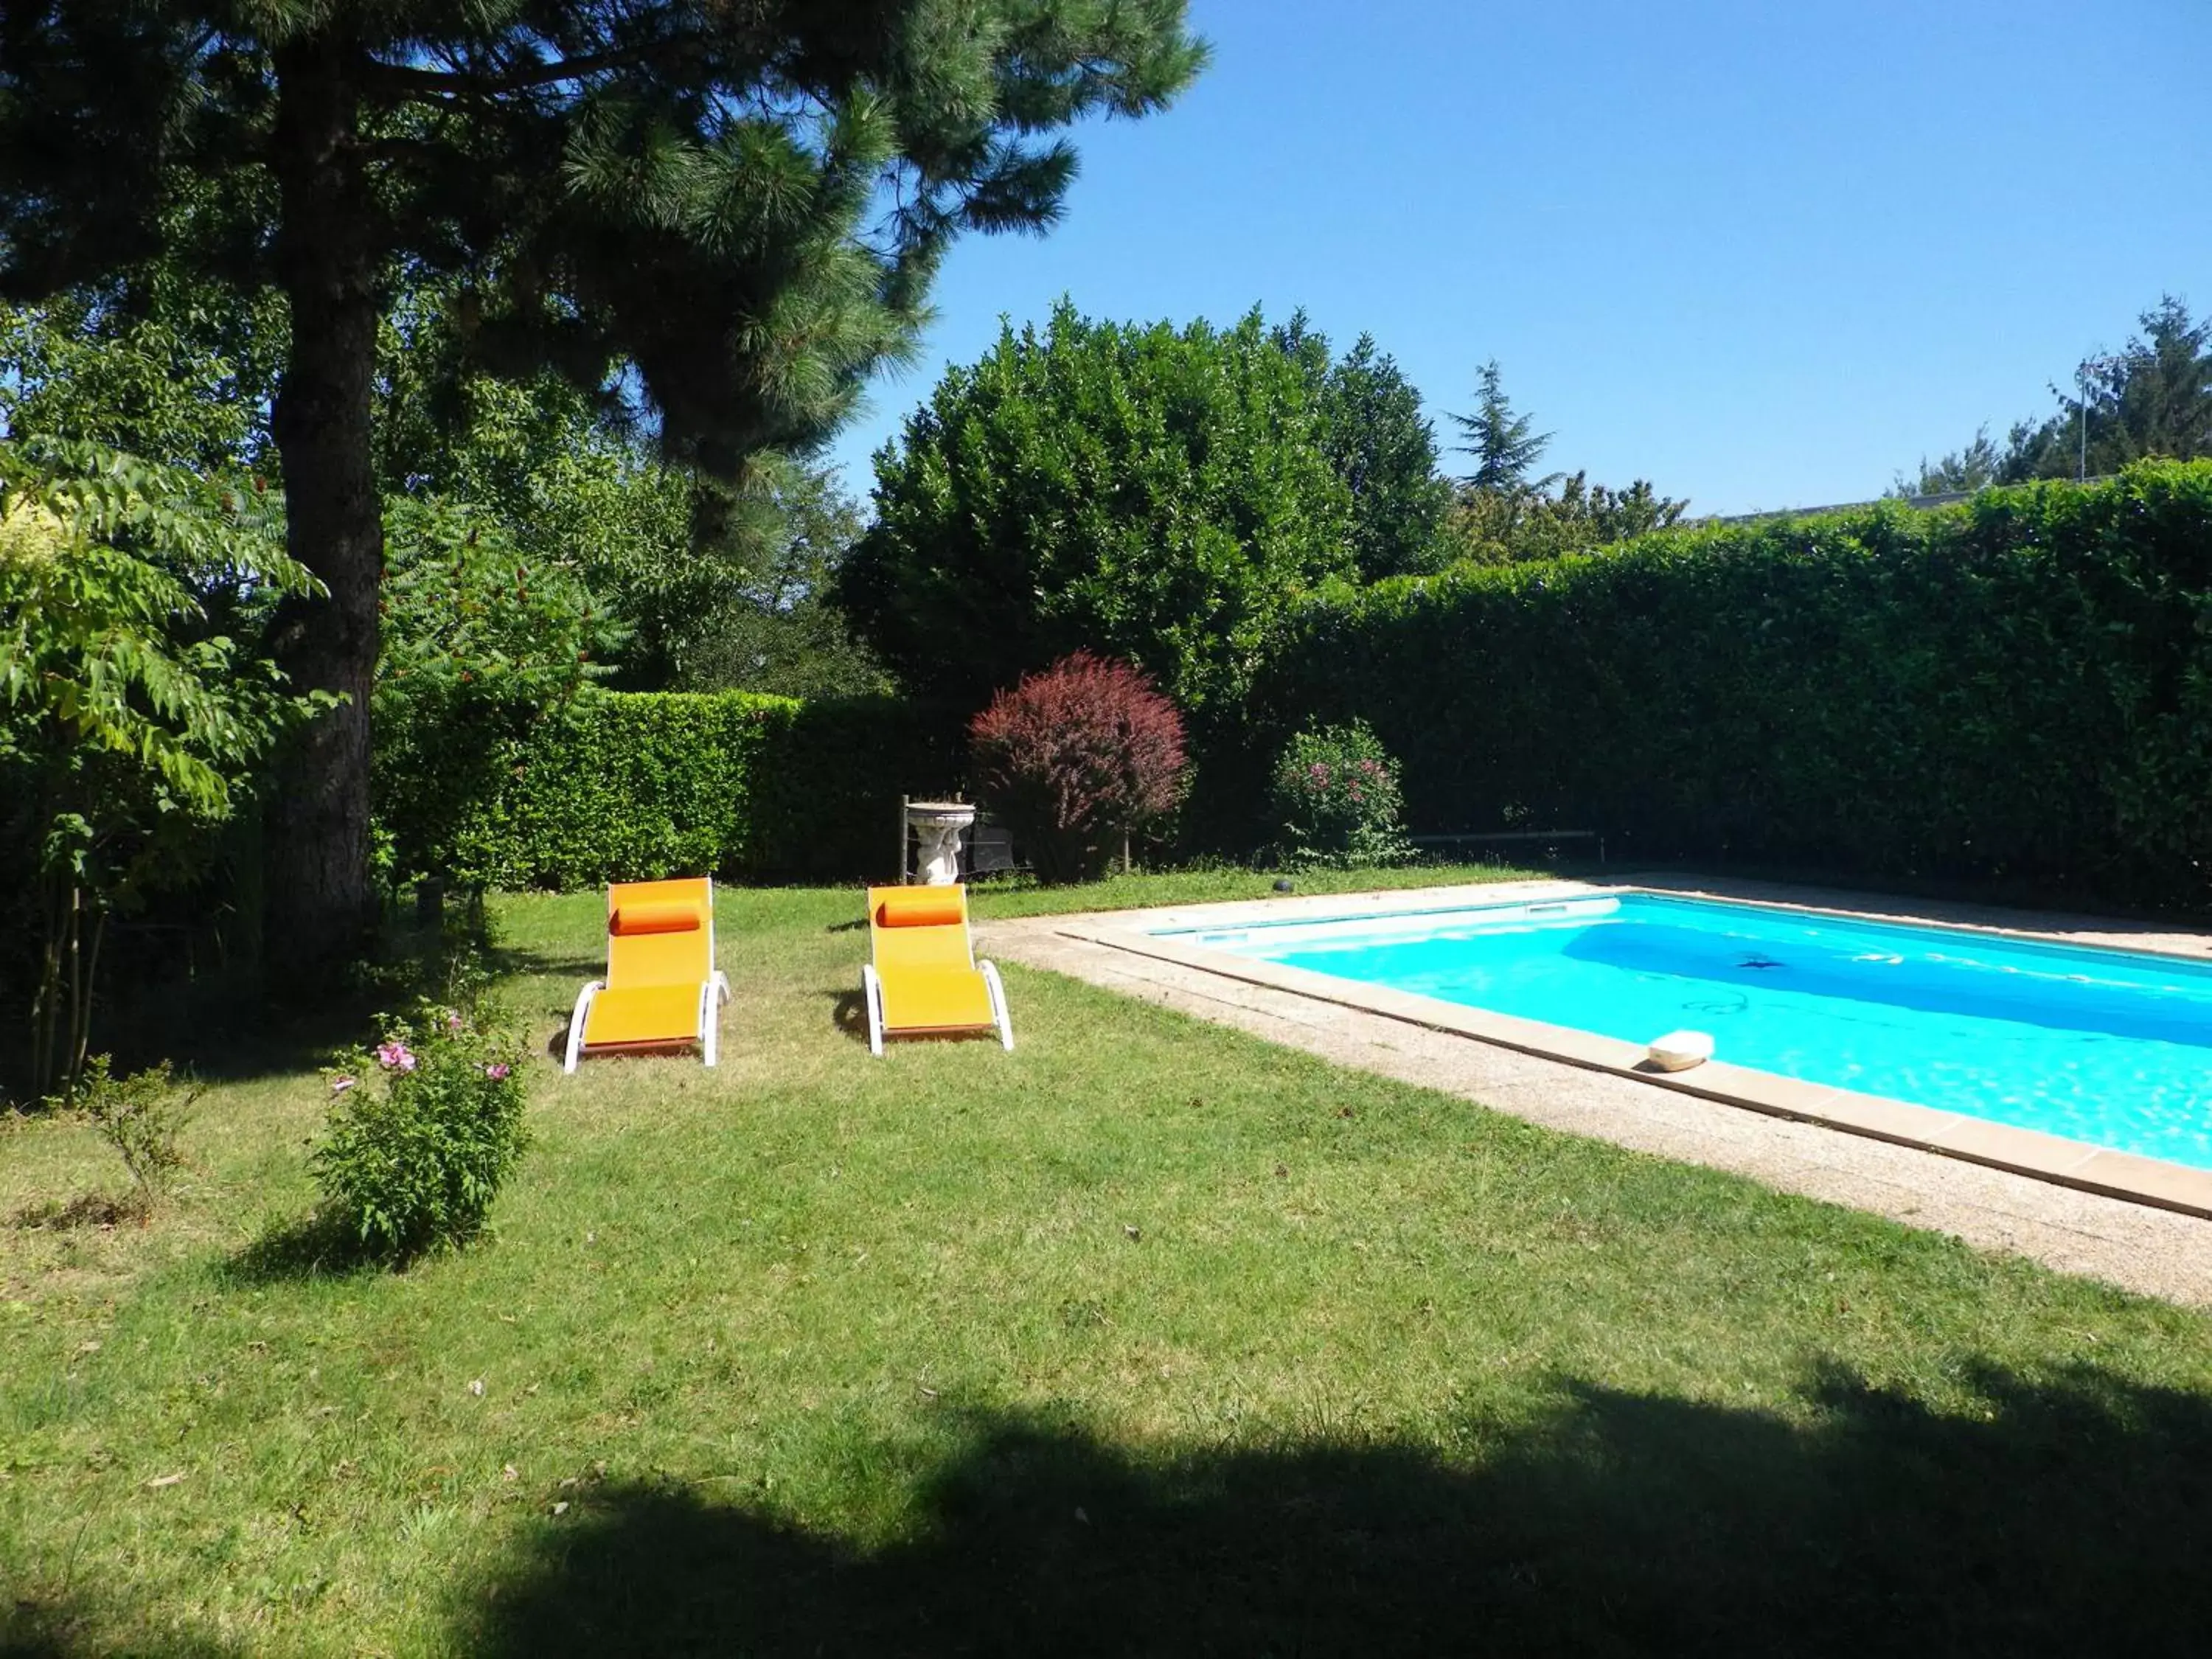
(1075, 758)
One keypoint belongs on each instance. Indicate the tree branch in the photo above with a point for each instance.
(408, 81)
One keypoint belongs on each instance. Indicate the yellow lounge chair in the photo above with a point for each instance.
(662, 987)
(925, 979)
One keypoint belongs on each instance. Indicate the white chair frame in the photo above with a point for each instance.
(872, 993)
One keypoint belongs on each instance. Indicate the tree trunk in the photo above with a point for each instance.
(319, 905)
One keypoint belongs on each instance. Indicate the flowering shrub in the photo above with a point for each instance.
(1336, 800)
(423, 1127)
(1076, 756)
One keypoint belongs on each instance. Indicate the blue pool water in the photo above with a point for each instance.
(2113, 1048)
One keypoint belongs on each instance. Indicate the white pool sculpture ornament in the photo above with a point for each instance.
(1678, 1051)
(938, 825)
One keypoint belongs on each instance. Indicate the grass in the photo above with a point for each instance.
(1145, 1338)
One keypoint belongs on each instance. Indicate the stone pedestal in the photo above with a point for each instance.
(938, 825)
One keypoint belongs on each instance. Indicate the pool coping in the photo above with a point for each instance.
(2102, 1170)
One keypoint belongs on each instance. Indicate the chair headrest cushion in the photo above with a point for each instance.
(921, 907)
(677, 916)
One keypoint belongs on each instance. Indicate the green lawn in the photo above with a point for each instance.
(1220, 884)
(1145, 1338)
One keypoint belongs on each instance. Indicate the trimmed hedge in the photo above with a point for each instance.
(2018, 687)
(632, 786)
(827, 778)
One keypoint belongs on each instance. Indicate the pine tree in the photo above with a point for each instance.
(728, 212)
(1502, 443)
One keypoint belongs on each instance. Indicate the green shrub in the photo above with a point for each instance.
(140, 1116)
(423, 1129)
(1336, 801)
(2019, 687)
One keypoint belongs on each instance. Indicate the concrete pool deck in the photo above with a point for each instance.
(2132, 1221)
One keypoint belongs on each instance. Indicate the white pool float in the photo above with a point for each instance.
(1678, 1051)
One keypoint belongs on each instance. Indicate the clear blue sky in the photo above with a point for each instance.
(1764, 254)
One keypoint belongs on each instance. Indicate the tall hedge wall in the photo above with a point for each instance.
(2021, 686)
(637, 785)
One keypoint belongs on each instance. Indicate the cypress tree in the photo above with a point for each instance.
(1385, 451)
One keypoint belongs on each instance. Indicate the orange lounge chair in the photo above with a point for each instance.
(925, 980)
(662, 987)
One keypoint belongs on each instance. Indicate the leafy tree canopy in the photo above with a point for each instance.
(780, 630)
(557, 473)
(1496, 527)
(712, 583)
(1977, 466)
(153, 363)
(742, 202)
(1158, 495)
(131, 723)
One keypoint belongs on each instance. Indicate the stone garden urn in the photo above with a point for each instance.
(936, 827)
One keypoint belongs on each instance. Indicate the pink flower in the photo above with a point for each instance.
(496, 1070)
(452, 1020)
(395, 1056)
(340, 1085)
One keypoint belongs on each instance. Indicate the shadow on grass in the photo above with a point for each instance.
(86, 1210)
(44, 1629)
(244, 1038)
(246, 1034)
(849, 1012)
(513, 962)
(320, 1246)
(2066, 1517)
(314, 1247)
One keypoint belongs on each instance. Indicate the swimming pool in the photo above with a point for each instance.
(2110, 1048)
